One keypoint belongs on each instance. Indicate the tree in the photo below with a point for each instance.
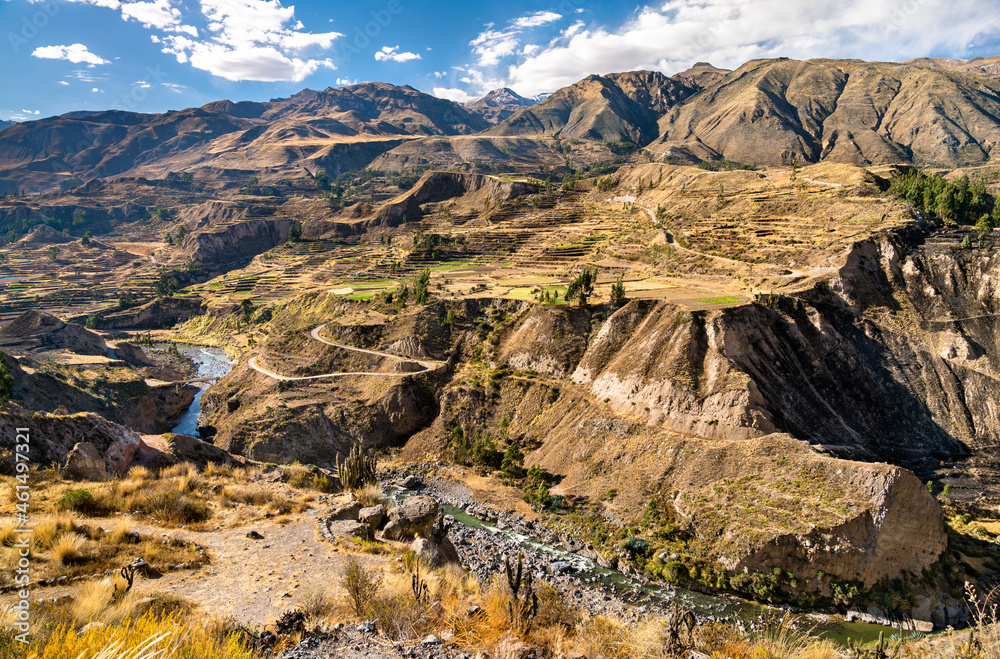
(246, 308)
(618, 293)
(984, 226)
(582, 287)
(166, 285)
(126, 300)
(513, 461)
(295, 232)
(182, 231)
(53, 252)
(6, 381)
(420, 293)
(85, 241)
(79, 218)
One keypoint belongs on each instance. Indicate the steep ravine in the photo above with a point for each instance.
(862, 364)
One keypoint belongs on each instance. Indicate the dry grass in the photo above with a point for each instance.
(216, 470)
(151, 634)
(49, 529)
(123, 528)
(67, 548)
(140, 474)
(246, 494)
(370, 495)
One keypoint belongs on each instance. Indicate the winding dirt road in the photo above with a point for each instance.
(315, 334)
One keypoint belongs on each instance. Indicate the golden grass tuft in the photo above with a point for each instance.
(122, 528)
(216, 470)
(190, 482)
(140, 474)
(248, 494)
(67, 549)
(370, 495)
(178, 470)
(50, 528)
(7, 535)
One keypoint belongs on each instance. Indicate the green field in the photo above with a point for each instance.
(718, 300)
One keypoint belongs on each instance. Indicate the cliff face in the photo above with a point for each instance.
(854, 521)
(236, 242)
(439, 186)
(876, 364)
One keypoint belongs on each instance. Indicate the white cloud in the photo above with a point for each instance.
(392, 54)
(252, 40)
(29, 111)
(107, 4)
(75, 53)
(440, 74)
(457, 95)
(672, 36)
(96, 90)
(64, 83)
(157, 14)
(536, 19)
(493, 45)
(245, 61)
(343, 82)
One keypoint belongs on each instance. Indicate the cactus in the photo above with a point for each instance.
(357, 469)
(523, 607)
(419, 588)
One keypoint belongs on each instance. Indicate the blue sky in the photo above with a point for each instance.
(156, 55)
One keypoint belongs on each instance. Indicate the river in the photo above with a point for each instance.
(209, 363)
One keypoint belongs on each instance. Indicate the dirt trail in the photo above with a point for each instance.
(251, 581)
(315, 334)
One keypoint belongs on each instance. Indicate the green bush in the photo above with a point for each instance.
(79, 501)
(322, 483)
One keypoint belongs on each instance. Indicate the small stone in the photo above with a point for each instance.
(430, 640)
(254, 535)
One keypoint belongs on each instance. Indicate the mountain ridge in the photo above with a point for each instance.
(927, 111)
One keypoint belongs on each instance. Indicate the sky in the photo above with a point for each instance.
(58, 56)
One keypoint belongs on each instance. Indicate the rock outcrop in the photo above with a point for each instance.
(238, 242)
(84, 463)
(37, 331)
(440, 186)
(415, 517)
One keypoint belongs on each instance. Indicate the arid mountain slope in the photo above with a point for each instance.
(620, 107)
(311, 129)
(988, 67)
(774, 111)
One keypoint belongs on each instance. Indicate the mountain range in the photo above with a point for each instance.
(925, 111)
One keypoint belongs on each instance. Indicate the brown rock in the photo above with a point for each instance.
(434, 554)
(413, 518)
(372, 516)
(84, 463)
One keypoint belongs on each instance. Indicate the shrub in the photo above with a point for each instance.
(361, 585)
(170, 506)
(322, 483)
(79, 501)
